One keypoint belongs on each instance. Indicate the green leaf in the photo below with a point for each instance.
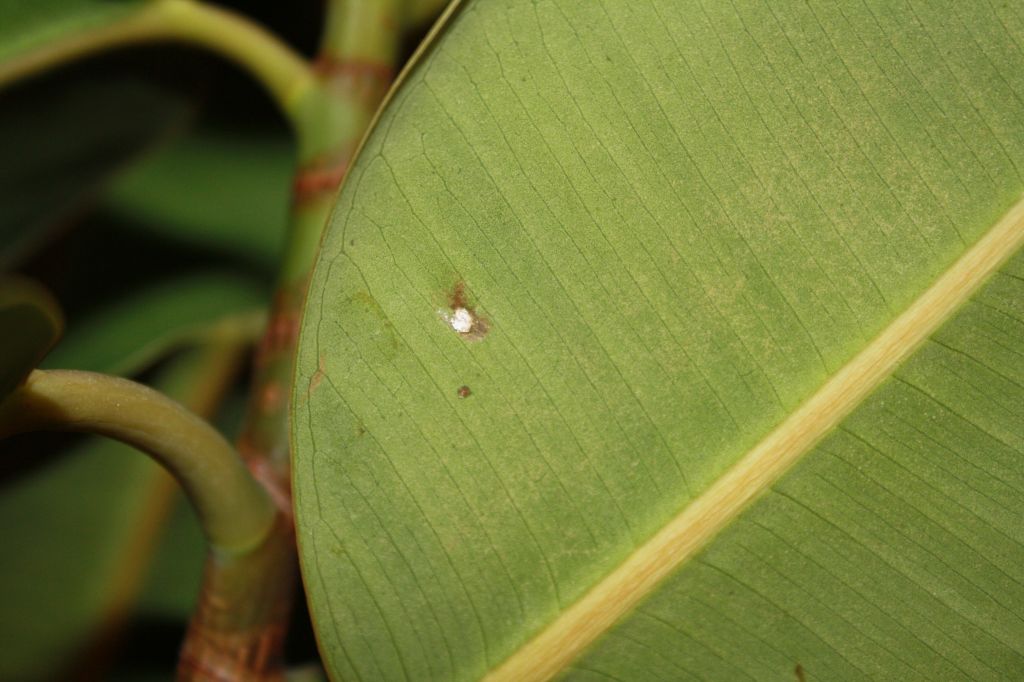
(213, 191)
(176, 247)
(31, 322)
(62, 140)
(29, 26)
(66, 554)
(64, 135)
(696, 244)
(129, 333)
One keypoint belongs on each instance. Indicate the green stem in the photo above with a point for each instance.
(199, 377)
(361, 30)
(354, 69)
(233, 509)
(282, 71)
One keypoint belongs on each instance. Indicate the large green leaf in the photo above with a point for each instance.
(697, 234)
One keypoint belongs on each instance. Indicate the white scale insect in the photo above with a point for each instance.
(465, 322)
(461, 320)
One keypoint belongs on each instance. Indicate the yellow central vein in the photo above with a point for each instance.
(577, 627)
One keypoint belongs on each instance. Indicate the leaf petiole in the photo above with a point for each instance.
(234, 510)
(285, 74)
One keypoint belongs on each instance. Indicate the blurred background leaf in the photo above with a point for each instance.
(148, 189)
(33, 322)
(224, 192)
(61, 143)
(29, 26)
(80, 533)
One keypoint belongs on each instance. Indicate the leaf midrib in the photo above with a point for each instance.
(565, 638)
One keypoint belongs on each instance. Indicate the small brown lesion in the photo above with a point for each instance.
(801, 676)
(463, 317)
(464, 392)
(457, 296)
(318, 375)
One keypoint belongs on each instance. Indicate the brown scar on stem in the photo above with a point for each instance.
(366, 80)
(282, 330)
(271, 397)
(360, 69)
(317, 179)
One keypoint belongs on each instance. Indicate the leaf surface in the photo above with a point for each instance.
(682, 226)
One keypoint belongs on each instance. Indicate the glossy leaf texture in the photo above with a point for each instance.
(674, 222)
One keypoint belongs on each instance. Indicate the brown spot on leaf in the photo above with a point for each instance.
(457, 297)
(464, 392)
(462, 317)
(318, 375)
(799, 672)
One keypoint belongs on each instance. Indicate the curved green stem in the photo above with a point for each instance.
(283, 72)
(234, 510)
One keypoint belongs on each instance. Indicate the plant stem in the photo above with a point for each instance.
(238, 629)
(354, 70)
(282, 71)
(353, 73)
(234, 511)
(199, 378)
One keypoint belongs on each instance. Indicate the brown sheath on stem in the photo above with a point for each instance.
(234, 636)
(238, 630)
